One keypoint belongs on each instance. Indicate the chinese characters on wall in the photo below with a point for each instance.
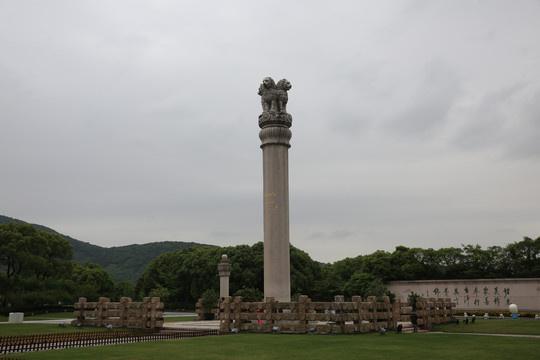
(473, 297)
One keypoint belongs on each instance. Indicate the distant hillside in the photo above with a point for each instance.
(121, 262)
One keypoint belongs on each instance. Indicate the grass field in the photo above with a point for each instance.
(520, 327)
(33, 329)
(179, 318)
(270, 346)
(28, 329)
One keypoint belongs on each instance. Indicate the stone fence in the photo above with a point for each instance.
(147, 314)
(430, 311)
(339, 316)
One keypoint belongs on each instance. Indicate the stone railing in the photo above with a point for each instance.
(434, 311)
(147, 314)
(304, 316)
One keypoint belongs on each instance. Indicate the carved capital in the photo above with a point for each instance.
(272, 135)
(272, 119)
(224, 266)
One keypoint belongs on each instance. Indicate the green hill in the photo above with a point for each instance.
(121, 262)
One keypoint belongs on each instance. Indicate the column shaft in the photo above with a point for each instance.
(276, 222)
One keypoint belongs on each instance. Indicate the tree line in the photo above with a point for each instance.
(36, 269)
(182, 276)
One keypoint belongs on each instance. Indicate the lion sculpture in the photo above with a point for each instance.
(282, 87)
(274, 97)
(267, 92)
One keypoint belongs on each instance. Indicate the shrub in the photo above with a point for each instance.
(209, 300)
(250, 294)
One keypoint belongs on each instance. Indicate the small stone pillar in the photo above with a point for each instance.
(224, 270)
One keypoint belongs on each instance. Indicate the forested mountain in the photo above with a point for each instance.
(121, 262)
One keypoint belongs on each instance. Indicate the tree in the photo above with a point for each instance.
(25, 250)
(476, 262)
(209, 300)
(247, 266)
(161, 292)
(343, 269)
(358, 284)
(36, 265)
(524, 257)
(187, 273)
(304, 272)
(328, 286)
(378, 264)
(124, 289)
(250, 294)
(378, 289)
(92, 281)
(451, 263)
(406, 264)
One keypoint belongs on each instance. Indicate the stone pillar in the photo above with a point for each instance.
(275, 135)
(224, 270)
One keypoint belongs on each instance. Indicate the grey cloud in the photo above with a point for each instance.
(432, 95)
(523, 137)
(127, 122)
(338, 234)
(224, 234)
(317, 235)
(504, 120)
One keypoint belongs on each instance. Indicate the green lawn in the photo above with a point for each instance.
(493, 326)
(179, 318)
(270, 346)
(32, 329)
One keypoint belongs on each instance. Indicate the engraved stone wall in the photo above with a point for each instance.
(476, 294)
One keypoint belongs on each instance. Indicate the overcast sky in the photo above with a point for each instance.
(415, 123)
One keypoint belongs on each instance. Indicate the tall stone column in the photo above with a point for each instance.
(224, 270)
(275, 135)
